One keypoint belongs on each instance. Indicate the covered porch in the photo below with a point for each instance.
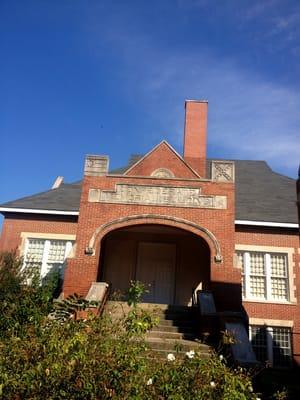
(172, 263)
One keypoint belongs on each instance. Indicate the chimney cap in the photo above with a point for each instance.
(195, 101)
(58, 181)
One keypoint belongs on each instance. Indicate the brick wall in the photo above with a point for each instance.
(271, 237)
(15, 224)
(162, 157)
(83, 269)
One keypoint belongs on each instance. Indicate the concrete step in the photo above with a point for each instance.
(175, 315)
(171, 328)
(204, 353)
(170, 335)
(121, 309)
(172, 345)
(174, 332)
(177, 322)
(157, 308)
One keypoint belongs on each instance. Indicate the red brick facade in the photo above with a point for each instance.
(95, 215)
(276, 238)
(14, 225)
(215, 224)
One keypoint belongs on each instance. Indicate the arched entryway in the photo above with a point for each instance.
(172, 262)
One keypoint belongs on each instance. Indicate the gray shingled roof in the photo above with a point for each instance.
(264, 195)
(261, 194)
(64, 198)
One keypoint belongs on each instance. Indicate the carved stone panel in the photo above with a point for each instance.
(162, 173)
(96, 166)
(222, 171)
(158, 196)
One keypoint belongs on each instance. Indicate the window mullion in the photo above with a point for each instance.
(25, 253)
(270, 344)
(45, 258)
(68, 249)
(247, 275)
(268, 276)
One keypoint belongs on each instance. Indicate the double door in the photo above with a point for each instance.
(156, 269)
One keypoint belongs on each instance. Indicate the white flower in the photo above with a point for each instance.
(221, 357)
(190, 354)
(170, 357)
(258, 398)
(250, 389)
(149, 382)
(212, 384)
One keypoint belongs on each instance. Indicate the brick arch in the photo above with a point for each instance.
(146, 219)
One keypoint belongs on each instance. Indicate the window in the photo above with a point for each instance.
(264, 275)
(47, 255)
(272, 344)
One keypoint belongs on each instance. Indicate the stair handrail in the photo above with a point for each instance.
(104, 300)
(206, 303)
(99, 293)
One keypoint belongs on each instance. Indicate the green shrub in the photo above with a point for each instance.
(139, 321)
(97, 358)
(135, 292)
(23, 299)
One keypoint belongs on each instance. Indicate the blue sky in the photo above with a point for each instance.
(110, 77)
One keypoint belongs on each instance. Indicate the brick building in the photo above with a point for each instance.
(179, 224)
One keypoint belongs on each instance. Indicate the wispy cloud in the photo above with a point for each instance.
(275, 21)
(249, 117)
(259, 8)
(288, 22)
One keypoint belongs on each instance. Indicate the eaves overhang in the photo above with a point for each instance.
(76, 213)
(37, 211)
(267, 224)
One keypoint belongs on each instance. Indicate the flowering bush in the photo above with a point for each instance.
(97, 358)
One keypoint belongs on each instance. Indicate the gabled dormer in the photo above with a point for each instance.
(162, 162)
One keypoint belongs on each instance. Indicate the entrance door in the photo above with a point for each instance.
(156, 269)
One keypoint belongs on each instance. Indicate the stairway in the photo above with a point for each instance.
(175, 333)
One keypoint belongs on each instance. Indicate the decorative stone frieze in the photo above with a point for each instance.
(96, 165)
(158, 196)
(222, 171)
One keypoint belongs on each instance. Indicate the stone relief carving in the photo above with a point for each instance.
(158, 195)
(222, 171)
(162, 173)
(96, 166)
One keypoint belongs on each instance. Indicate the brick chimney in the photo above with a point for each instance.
(298, 196)
(194, 148)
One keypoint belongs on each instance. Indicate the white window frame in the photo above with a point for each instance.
(267, 251)
(269, 342)
(68, 239)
